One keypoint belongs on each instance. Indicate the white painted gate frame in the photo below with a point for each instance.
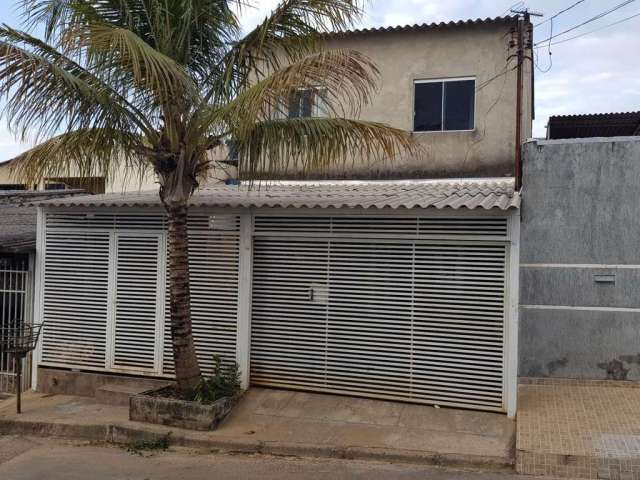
(158, 353)
(247, 216)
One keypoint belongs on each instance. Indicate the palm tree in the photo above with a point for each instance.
(157, 85)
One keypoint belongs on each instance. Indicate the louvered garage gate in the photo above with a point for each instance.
(104, 300)
(392, 307)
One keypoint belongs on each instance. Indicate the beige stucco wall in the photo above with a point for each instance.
(480, 51)
(5, 174)
(121, 181)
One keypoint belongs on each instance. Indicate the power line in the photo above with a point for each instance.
(536, 57)
(537, 62)
(596, 29)
(559, 13)
(592, 19)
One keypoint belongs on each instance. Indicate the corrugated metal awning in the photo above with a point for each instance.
(18, 217)
(427, 26)
(487, 193)
(594, 125)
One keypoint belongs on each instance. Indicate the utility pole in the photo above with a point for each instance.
(523, 20)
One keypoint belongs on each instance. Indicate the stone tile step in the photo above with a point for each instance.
(555, 466)
(119, 394)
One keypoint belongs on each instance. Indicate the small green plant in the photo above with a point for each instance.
(160, 443)
(225, 382)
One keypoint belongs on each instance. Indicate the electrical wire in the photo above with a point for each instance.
(595, 30)
(495, 77)
(592, 19)
(549, 50)
(559, 13)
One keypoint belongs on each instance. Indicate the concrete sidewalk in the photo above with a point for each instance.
(56, 459)
(292, 423)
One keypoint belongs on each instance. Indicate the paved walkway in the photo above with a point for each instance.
(581, 430)
(37, 459)
(286, 422)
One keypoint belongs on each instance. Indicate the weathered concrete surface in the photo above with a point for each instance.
(60, 460)
(581, 202)
(120, 394)
(180, 413)
(67, 382)
(579, 344)
(293, 423)
(578, 287)
(580, 223)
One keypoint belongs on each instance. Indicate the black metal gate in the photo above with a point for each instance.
(14, 310)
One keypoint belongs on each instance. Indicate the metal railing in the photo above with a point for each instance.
(14, 312)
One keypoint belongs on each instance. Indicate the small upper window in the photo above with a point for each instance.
(12, 186)
(55, 186)
(307, 102)
(444, 105)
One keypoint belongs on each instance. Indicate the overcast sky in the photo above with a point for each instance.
(598, 72)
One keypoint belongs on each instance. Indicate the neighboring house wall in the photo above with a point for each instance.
(121, 181)
(580, 259)
(6, 177)
(482, 51)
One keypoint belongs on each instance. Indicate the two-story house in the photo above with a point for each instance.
(401, 286)
(454, 85)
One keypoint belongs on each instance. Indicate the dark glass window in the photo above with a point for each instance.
(459, 99)
(444, 105)
(428, 107)
(308, 102)
(55, 186)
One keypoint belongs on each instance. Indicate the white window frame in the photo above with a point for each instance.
(318, 109)
(443, 81)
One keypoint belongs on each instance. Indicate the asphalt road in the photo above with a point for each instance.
(50, 459)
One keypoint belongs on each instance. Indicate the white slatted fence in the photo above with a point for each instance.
(213, 263)
(105, 301)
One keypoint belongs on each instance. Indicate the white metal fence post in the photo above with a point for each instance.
(243, 339)
(513, 302)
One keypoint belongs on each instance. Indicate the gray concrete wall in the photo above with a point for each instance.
(480, 51)
(580, 259)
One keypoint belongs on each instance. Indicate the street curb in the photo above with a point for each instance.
(122, 435)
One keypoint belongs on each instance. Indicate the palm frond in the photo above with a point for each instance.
(123, 53)
(347, 79)
(47, 91)
(84, 153)
(290, 32)
(56, 16)
(313, 145)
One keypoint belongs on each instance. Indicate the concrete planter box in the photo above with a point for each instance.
(152, 407)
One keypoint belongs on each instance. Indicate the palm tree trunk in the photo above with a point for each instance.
(184, 352)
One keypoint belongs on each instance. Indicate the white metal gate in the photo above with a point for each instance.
(140, 290)
(14, 307)
(373, 307)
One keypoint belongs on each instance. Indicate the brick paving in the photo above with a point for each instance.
(579, 430)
